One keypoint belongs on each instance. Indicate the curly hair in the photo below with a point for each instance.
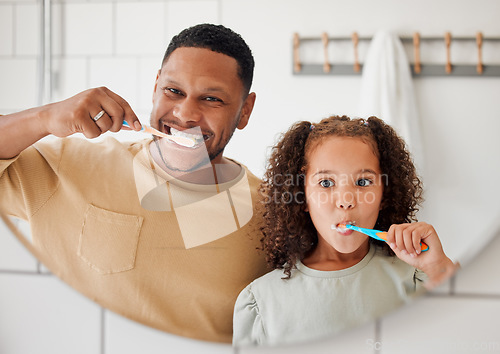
(288, 231)
(218, 39)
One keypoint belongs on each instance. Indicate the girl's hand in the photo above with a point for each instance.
(404, 239)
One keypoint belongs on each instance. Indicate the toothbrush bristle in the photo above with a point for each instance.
(342, 226)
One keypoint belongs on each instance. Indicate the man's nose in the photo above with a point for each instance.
(187, 110)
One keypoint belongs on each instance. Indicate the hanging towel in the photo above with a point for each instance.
(387, 91)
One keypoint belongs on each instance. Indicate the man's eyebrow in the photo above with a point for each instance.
(214, 88)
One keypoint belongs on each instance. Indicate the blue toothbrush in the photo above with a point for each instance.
(376, 234)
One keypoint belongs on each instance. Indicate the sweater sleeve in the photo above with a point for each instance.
(9, 183)
(248, 326)
(26, 182)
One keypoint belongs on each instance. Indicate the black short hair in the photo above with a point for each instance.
(219, 39)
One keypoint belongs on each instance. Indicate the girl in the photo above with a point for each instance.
(327, 278)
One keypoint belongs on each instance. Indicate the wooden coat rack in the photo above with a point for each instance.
(418, 68)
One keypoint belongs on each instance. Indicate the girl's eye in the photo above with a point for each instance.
(364, 182)
(326, 183)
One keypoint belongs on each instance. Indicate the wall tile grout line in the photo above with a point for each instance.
(453, 282)
(138, 62)
(22, 272)
(236, 350)
(114, 26)
(378, 336)
(219, 11)
(165, 23)
(103, 331)
(87, 67)
(20, 56)
(467, 296)
(14, 25)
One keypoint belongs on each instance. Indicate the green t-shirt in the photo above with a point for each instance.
(313, 304)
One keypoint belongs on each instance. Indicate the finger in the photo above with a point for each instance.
(408, 235)
(391, 238)
(102, 121)
(399, 240)
(416, 242)
(127, 113)
(113, 109)
(116, 108)
(89, 128)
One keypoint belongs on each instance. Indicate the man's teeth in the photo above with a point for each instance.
(196, 137)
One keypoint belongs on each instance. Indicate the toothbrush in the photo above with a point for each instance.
(376, 234)
(181, 140)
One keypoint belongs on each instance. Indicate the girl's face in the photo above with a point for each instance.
(343, 185)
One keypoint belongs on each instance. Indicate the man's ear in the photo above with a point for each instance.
(246, 110)
(156, 85)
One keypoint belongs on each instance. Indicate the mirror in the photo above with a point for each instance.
(458, 114)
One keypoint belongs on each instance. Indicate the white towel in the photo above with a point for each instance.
(387, 91)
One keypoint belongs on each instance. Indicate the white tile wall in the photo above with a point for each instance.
(18, 84)
(140, 28)
(27, 30)
(444, 325)
(125, 336)
(481, 276)
(70, 76)
(88, 29)
(40, 314)
(6, 29)
(101, 42)
(148, 69)
(13, 255)
(199, 11)
(118, 74)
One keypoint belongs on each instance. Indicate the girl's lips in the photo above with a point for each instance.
(342, 230)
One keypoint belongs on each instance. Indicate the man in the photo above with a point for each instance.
(159, 232)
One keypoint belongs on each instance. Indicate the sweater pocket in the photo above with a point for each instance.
(108, 241)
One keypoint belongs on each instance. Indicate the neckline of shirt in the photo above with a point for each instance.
(337, 273)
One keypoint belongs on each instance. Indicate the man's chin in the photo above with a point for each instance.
(187, 168)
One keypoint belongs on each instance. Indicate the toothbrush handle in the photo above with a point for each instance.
(125, 124)
(383, 235)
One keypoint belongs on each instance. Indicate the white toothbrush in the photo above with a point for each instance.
(181, 140)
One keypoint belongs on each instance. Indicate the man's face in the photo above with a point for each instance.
(198, 91)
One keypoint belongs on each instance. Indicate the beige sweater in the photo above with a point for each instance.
(110, 223)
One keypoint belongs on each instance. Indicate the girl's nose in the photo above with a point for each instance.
(346, 200)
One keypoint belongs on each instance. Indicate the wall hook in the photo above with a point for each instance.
(416, 50)
(479, 42)
(296, 56)
(326, 64)
(355, 41)
(447, 40)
